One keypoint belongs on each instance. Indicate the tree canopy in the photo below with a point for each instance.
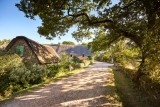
(137, 20)
(129, 18)
(68, 43)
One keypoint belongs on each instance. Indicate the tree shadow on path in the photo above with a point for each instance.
(90, 88)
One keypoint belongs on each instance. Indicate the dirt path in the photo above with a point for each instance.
(93, 87)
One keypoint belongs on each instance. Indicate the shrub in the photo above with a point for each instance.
(8, 63)
(53, 70)
(38, 74)
(15, 75)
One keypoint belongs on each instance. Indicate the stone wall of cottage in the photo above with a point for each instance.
(28, 55)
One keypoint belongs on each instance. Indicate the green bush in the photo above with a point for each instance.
(21, 77)
(38, 74)
(53, 70)
(8, 62)
(15, 75)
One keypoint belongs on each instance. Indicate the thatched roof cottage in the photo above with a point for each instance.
(32, 51)
(80, 51)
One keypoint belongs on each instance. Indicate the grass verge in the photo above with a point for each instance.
(129, 96)
(112, 96)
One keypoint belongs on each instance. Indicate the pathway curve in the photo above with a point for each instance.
(92, 87)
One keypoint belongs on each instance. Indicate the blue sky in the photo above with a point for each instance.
(13, 23)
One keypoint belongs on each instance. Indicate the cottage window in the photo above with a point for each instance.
(20, 50)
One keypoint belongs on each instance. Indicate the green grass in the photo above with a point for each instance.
(113, 95)
(129, 96)
(58, 76)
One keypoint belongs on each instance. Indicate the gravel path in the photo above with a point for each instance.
(92, 87)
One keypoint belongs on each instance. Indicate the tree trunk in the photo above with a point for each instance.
(140, 71)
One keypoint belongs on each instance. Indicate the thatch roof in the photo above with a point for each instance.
(44, 53)
(61, 48)
(80, 50)
(76, 50)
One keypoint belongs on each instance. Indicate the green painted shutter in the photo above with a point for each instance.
(20, 50)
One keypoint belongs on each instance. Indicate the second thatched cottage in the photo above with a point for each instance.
(78, 51)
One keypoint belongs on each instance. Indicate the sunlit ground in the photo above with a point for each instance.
(93, 87)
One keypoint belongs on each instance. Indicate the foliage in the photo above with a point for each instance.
(4, 41)
(101, 40)
(15, 75)
(150, 88)
(137, 20)
(68, 43)
(122, 51)
(66, 62)
(9, 60)
(85, 44)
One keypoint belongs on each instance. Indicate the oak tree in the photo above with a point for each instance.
(137, 20)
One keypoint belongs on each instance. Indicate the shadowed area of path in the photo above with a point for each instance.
(92, 87)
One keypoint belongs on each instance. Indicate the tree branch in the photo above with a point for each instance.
(90, 22)
(132, 37)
